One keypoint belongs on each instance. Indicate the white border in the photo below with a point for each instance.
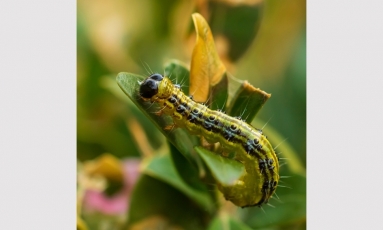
(345, 79)
(38, 114)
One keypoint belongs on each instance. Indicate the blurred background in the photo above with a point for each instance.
(263, 42)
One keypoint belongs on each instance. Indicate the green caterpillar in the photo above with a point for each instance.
(251, 147)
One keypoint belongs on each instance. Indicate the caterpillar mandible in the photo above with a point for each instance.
(251, 147)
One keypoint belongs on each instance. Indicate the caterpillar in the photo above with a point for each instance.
(250, 146)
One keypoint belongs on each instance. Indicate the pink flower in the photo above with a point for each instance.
(95, 200)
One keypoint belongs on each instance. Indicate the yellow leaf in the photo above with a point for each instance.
(107, 166)
(206, 67)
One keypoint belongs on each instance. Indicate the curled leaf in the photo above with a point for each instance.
(206, 68)
(247, 101)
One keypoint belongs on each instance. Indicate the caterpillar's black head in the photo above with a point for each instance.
(149, 87)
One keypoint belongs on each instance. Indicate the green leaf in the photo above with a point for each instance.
(179, 73)
(219, 94)
(129, 83)
(247, 101)
(190, 174)
(187, 171)
(162, 168)
(152, 197)
(224, 170)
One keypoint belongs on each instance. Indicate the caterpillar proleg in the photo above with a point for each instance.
(250, 146)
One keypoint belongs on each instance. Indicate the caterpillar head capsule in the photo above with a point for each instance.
(149, 87)
(157, 86)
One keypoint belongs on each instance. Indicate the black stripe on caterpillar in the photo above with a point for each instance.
(251, 147)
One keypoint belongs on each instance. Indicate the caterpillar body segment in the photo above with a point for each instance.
(250, 146)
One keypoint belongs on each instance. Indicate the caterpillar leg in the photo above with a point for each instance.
(170, 127)
(160, 112)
